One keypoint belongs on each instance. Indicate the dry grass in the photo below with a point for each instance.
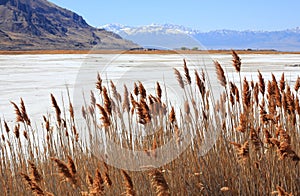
(256, 151)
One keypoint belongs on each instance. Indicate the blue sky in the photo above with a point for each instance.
(204, 15)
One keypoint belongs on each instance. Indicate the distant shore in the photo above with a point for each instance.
(8, 52)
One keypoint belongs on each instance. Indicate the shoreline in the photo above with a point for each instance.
(32, 52)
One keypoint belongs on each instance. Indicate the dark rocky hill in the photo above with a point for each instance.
(39, 24)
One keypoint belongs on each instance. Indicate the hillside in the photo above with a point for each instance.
(39, 24)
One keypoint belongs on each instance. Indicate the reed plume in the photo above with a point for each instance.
(71, 165)
(200, 84)
(6, 127)
(142, 91)
(98, 184)
(242, 127)
(107, 180)
(254, 138)
(186, 72)
(172, 116)
(34, 174)
(158, 91)
(262, 86)
(236, 61)
(17, 131)
(246, 94)
(135, 89)
(65, 171)
(107, 101)
(129, 191)
(282, 83)
(255, 93)
(93, 98)
(285, 150)
(159, 184)
(19, 116)
(281, 192)
(242, 150)
(99, 83)
(220, 74)
(297, 105)
(277, 94)
(104, 117)
(57, 109)
(179, 78)
(297, 84)
(89, 180)
(143, 112)
(32, 185)
(126, 102)
(24, 113)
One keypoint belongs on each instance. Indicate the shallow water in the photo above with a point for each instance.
(34, 77)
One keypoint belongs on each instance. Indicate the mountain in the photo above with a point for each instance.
(176, 36)
(166, 36)
(39, 24)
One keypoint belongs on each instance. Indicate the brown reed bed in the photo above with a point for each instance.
(256, 126)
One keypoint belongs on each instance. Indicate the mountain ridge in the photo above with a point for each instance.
(283, 40)
(40, 24)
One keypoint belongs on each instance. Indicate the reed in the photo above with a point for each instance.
(256, 151)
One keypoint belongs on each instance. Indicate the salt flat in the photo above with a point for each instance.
(34, 77)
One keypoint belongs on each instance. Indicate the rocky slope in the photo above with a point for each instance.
(39, 24)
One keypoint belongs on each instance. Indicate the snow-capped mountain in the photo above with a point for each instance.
(164, 29)
(177, 36)
(166, 36)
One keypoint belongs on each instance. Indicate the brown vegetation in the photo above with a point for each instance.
(255, 124)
